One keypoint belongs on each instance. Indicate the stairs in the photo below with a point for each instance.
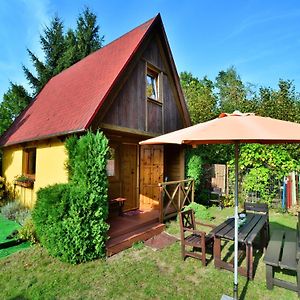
(125, 232)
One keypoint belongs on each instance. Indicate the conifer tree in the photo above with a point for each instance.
(14, 101)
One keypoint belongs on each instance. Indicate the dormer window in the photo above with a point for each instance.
(152, 85)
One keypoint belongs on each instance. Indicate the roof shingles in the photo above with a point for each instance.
(70, 100)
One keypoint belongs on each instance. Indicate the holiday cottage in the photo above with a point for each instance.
(130, 90)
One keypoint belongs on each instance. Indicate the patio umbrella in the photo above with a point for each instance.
(234, 129)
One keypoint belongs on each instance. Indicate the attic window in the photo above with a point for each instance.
(152, 85)
(29, 162)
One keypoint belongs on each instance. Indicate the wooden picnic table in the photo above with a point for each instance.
(254, 225)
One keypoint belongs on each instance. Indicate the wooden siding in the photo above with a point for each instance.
(131, 108)
(154, 117)
(172, 119)
(153, 55)
(128, 108)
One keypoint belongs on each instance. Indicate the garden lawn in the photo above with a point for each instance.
(137, 273)
(6, 228)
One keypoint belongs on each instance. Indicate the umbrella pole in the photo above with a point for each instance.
(236, 190)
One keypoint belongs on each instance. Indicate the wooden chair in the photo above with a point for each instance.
(260, 208)
(191, 237)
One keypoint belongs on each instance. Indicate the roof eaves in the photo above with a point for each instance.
(44, 137)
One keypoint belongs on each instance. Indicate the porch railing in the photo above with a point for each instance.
(174, 195)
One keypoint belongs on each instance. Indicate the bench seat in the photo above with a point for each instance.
(282, 253)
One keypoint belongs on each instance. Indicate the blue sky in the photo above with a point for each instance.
(260, 38)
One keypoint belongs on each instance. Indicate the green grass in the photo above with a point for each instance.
(7, 227)
(137, 273)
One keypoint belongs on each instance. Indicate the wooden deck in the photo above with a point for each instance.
(132, 227)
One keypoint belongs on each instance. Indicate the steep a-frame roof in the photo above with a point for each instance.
(70, 100)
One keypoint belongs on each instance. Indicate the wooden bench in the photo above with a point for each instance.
(117, 204)
(283, 252)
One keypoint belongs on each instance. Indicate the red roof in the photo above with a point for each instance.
(71, 99)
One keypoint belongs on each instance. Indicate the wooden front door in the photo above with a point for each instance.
(151, 173)
(128, 170)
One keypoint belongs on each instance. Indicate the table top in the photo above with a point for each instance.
(247, 232)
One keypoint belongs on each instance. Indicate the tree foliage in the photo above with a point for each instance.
(14, 101)
(200, 97)
(260, 164)
(63, 50)
(261, 167)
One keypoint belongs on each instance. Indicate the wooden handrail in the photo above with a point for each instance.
(175, 182)
(185, 188)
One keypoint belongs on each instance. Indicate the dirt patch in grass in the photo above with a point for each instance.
(161, 241)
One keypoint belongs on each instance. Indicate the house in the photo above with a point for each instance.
(130, 90)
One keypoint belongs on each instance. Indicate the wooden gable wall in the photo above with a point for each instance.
(131, 109)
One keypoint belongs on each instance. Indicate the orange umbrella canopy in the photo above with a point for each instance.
(232, 128)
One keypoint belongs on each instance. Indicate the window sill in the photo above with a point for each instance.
(25, 183)
(158, 102)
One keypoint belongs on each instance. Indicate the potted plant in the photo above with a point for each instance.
(24, 181)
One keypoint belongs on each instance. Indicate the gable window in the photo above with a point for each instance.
(152, 85)
(29, 162)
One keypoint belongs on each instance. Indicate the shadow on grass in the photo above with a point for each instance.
(278, 226)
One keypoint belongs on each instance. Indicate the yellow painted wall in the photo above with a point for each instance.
(51, 157)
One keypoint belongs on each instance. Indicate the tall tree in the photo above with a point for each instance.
(199, 96)
(87, 34)
(14, 101)
(280, 104)
(63, 50)
(232, 92)
(53, 45)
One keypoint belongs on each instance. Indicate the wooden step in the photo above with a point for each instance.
(128, 227)
(122, 242)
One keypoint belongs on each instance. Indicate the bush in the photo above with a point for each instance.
(194, 169)
(12, 210)
(201, 212)
(27, 231)
(70, 219)
(48, 216)
(22, 215)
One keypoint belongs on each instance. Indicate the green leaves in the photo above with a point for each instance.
(61, 50)
(14, 101)
(71, 218)
(199, 96)
(261, 167)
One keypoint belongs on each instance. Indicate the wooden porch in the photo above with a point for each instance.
(137, 225)
(133, 226)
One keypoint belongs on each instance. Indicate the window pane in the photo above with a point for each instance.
(151, 87)
(30, 164)
(110, 167)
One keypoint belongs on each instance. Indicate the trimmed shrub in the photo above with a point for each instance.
(51, 209)
(70, 219)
